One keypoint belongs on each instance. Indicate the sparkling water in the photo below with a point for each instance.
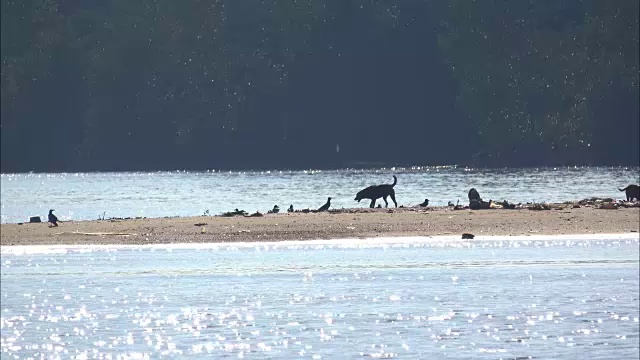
(527, 297)
(87, 196)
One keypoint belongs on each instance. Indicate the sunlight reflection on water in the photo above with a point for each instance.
(86, 196)
(552, 297)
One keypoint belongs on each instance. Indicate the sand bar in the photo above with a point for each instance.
(340, 224)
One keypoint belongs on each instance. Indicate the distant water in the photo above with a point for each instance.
(540, 298)
(85, 196)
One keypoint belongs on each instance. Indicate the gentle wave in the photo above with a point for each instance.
(335, 268)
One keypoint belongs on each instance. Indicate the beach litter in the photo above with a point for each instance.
(538, 207)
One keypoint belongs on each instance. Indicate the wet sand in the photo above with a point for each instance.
(346, 223)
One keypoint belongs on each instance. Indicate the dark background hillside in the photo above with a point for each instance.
(126, 85)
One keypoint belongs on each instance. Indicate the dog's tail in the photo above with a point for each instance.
(395, 181)
(625, 189)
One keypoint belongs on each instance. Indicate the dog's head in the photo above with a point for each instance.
(359, 196)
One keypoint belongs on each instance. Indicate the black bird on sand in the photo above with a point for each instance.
(52, 218)
(425, 203)
(290, 208)
(326, 206)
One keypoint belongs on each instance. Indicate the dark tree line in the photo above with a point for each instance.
(125, 85)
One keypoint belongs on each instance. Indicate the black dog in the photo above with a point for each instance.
(375, 192)
(632, 192)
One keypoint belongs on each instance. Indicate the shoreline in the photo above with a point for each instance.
(359, 223)
(342, 243)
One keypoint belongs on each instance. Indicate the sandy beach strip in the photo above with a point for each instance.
(340, 224)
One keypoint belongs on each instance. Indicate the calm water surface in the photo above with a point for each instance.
(85, 196)
(566, 298)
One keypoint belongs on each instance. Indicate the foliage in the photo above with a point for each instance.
(124, 85)
(532, 73)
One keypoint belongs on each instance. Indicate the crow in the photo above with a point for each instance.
(52, 218)
(326, 206)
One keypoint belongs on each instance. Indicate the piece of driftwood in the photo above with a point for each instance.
(94, 233)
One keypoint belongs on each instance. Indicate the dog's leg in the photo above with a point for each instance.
(373, 203)
(386, 203)
(393, 197)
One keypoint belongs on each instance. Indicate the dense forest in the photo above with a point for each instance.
(162, 84)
